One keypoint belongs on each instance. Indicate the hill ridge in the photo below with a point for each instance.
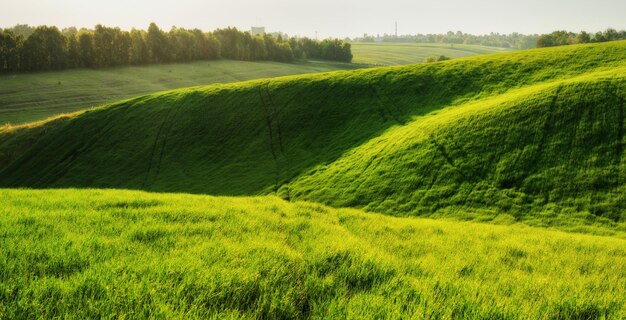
(312, 137)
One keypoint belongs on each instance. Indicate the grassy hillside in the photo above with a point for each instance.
(548, 150)
(36, 96)
(533, 136)
(125, 254)
(390, 53)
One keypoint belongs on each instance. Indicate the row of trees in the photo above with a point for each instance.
(513, 40)
(24, 48)
(239, 45)
(431, 59)
(561, 38)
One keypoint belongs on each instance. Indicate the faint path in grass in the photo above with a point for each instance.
(35, 96)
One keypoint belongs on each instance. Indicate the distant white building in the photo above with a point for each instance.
(255, 31)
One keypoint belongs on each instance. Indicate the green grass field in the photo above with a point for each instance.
(121, 254)
(390, 53)
(36, 96)
(536, 135)
(316, 194)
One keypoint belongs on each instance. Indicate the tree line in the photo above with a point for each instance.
(561, 38)
(25, 48)
(513, 40)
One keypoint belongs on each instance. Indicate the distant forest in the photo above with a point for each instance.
(562, 38)
(26, 48)
(513, 40)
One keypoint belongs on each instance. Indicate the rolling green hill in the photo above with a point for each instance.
(121, 254)
(392, 53)
(36, 96)
(534, 136)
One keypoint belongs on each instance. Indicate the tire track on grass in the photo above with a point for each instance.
(165, 138)
(275, 130)
(387, 106)
(287, 160)
(547, 127)
(274, 111)
(268, 114)
(163, 130)
(619, 146)
(442, 151)
(154, 145)
(620, 123)
(545, 131)
(53, 176)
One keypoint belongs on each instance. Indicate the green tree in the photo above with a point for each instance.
(335, 50)
(9, 51)
(258, 49)
(182, 44)
(86, 50)
(583, 37)
(44, 50)
(104, 49)
(207, 46)
(431, 59)
(611, 34)
(22, 30)
(157, 44)
(545, 41)
(121, 44)
(138, 49)
(73, 52)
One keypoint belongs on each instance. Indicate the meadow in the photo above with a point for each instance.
(535, 135)
(398, 53)
(128, 254)
(488, 187)
(28, 97)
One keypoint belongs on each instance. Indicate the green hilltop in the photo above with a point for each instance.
(535, 135)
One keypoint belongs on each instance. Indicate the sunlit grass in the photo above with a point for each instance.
(390, 53)
(107, 253)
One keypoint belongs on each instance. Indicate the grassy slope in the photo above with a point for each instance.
(389, 53)
(129, 254)
(36, 96)
(553, 150)
(535, 135)
(33, 97)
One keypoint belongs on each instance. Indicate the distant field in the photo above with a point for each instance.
(120, 254)
(407, 53)
(36, 96)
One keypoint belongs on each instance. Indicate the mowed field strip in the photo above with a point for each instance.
(35, 96)
(391, 53)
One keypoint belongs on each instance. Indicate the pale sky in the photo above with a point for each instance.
(331, 18)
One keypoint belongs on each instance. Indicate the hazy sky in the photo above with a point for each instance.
(337, 18)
